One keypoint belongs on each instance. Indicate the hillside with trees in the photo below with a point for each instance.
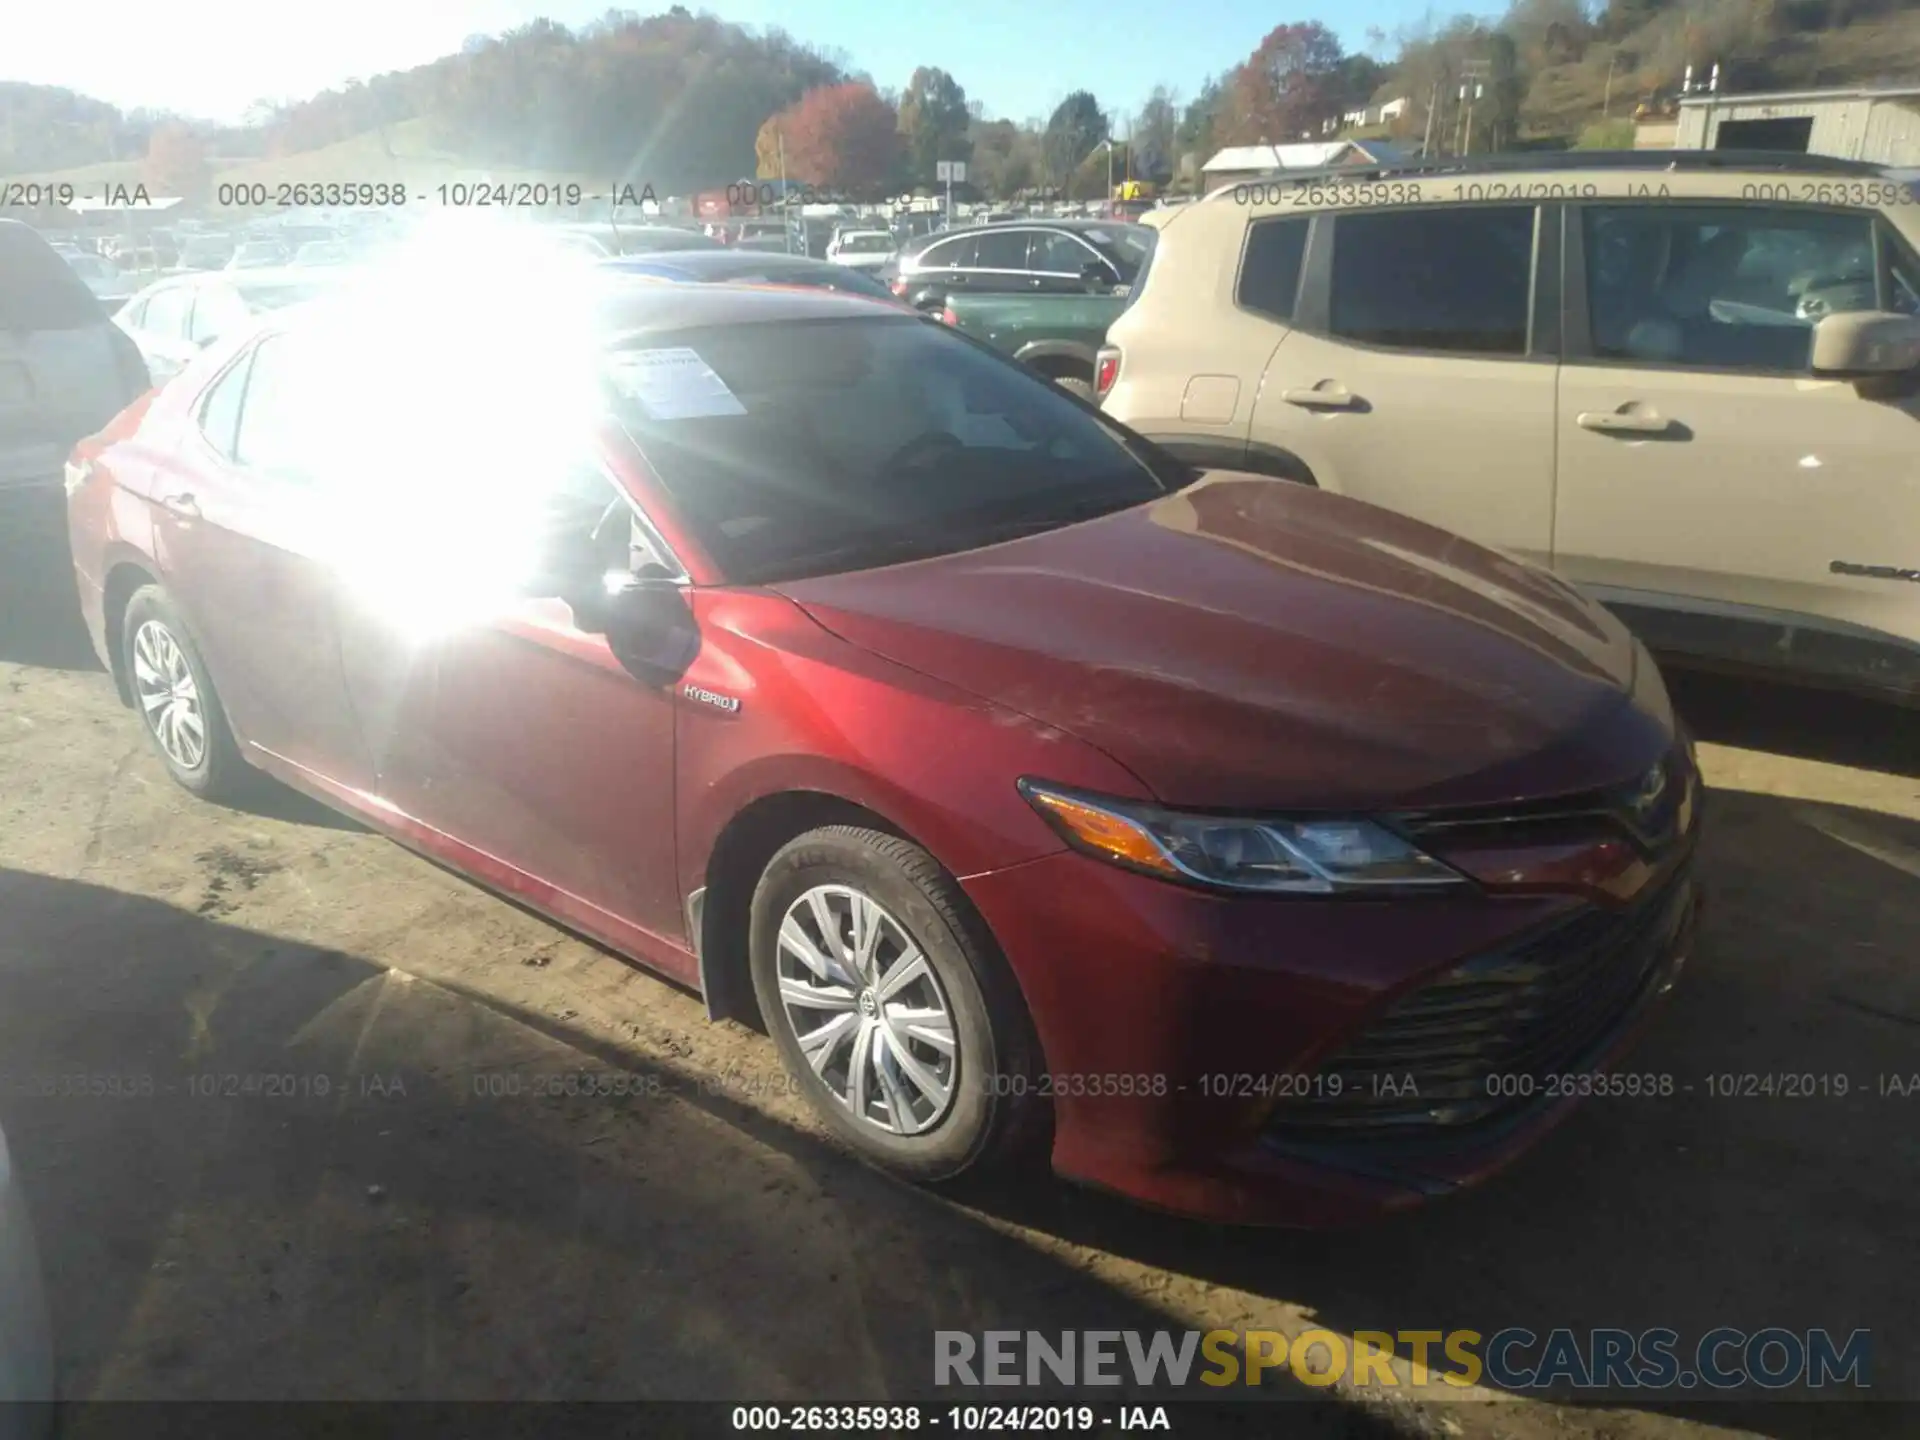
(683, 101)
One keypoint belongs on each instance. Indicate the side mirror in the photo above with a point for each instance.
(1863, 344)
(1097, 277)
(650, 627)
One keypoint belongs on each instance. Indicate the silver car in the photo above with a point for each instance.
(176, 319)
(26, 1344)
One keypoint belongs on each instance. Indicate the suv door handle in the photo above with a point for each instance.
(1334, 397)
(182, 505)
(1613, 422)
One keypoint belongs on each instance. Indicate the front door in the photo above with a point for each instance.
(522, 741)
(1708, 483)
(1411, 377)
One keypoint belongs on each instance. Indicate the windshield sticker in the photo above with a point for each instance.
(674, 384)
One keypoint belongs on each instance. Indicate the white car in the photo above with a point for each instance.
(26, 1341)
(862, 249)
(176, 319)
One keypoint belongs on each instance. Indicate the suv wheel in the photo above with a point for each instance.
(178, 707)
(901, 1025)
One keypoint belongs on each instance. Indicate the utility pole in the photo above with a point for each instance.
(786, 218)
(1433, 105)
(1478, 91)
(1460, 119)
(1606, 104)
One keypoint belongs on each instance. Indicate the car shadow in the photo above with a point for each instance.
(1732, 1202)
(267, 1170)
(1810, 724)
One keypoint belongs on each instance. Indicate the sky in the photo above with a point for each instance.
(213, 58)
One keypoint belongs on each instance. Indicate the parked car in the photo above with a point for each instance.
(26, 1337)
(205, 252)
(65, 370)
(108, 282)
(1684, 381)
(174, 320)
(1058, 256)
(639, 239)
(744, 267)
(862, 249)
(1059, 335)
(768, 236)
(259, 255)
(862, 679)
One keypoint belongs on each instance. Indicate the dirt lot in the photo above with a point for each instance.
(410, 1233)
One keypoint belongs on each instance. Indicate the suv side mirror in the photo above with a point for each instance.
(1862, 344)
(649, 626)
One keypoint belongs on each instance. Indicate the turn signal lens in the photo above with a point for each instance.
(1100, 830)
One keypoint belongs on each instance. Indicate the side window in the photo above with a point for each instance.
(216, 310)
(133, 313)
(1055, 254)
(588, 500)
(1001, 250)
(949, 254)
(1725, 287)
(277, 434)
(220, 411)
(1455, 280)
(1903, 274)
(167, 312)
(1270, 270)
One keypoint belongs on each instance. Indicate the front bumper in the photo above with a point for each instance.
(1190, 1037)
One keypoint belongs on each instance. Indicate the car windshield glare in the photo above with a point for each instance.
(815, 446)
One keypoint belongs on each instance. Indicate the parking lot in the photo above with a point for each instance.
(388, 1219)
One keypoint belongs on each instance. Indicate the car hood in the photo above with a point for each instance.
(1250, 643)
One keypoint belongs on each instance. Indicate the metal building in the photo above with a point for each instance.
(1880, 124)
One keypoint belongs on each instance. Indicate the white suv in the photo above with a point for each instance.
(1685, 381)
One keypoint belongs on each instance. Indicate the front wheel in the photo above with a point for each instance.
(890, 1006)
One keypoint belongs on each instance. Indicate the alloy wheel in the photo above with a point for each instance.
(867, 1009)
(169, 699)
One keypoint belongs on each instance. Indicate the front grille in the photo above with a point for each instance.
(1472, 1048)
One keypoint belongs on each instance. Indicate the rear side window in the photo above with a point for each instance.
(1270, 270)
(168, 311)
(948, 254)
(1001, 250)
(39, 290)
(220, 411)
(1454, 280)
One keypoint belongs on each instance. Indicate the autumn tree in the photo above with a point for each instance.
(1288, 87)
(933, 122)
(843, 138)
(176, 163)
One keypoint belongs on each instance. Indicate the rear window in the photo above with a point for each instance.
(811, 447)
(39, 290)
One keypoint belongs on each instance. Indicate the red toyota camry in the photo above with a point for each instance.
(1267, 856)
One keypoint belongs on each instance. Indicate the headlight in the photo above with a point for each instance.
(1302, 857)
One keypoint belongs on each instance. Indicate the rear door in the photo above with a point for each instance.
(248, 544)
(1000, 262)
(1419, 371)
(1727, 501)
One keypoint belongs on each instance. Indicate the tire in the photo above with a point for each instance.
(1073, 385)
(993, 1112)
(213, 770)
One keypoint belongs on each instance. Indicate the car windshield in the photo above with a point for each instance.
(819, 446)
(822, 277)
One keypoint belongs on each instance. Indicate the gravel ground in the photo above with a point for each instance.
(387, 1218)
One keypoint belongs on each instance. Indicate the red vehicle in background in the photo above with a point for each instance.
(1262, 853)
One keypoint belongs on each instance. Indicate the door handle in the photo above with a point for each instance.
(182, 505)
(1334, 397)
(1613, 422)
